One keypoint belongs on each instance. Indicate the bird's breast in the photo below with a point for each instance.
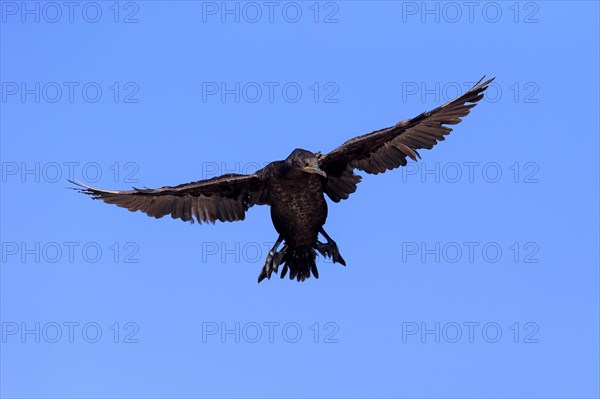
(298, 209)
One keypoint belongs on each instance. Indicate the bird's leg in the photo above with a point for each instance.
(278, 259)
(330, 249)
(324, 249)
(273, 260)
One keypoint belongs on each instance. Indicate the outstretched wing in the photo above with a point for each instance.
(387, 149)
(225, 198)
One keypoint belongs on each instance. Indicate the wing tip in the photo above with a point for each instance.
(82, 188)
(85, 189)
(474, 94)
(480, 85)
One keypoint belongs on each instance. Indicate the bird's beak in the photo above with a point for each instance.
(314, 169)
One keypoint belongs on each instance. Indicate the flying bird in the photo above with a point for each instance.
(295, 187)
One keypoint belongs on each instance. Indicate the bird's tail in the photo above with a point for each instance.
(301, 263)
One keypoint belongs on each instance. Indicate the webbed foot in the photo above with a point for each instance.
(330, 250)
(274, 259)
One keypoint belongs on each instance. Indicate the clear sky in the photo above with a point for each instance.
(473, 273)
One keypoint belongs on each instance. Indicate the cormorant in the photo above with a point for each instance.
(295, 188)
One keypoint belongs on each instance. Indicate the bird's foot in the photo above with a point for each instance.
(330, 250)
(272, 263)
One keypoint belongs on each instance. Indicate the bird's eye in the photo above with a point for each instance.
(305, 163)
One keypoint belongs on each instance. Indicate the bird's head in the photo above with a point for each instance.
(305, 161)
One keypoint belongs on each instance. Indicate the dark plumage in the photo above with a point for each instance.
(295, 188)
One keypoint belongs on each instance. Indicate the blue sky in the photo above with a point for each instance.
(473, 273)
